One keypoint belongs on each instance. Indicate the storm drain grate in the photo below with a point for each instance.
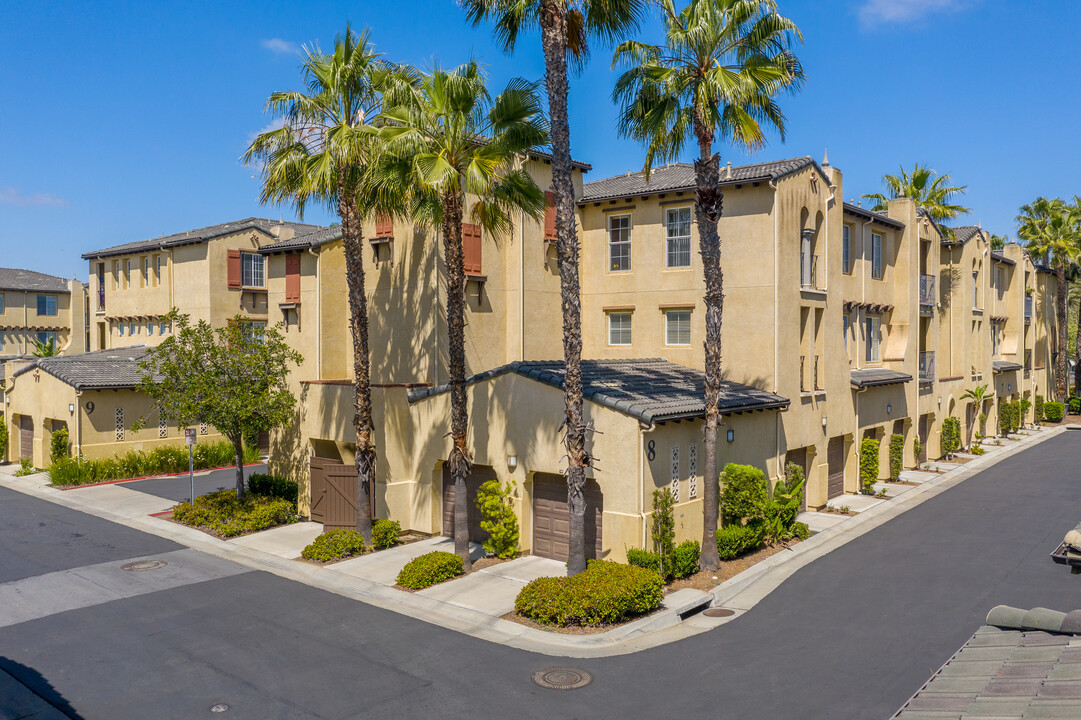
(718, 612)
(140, 565)
(562, 678)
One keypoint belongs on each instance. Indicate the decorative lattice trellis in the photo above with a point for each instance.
(675, 473)
(120, 424)
(692, 470)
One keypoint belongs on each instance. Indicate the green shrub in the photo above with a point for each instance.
(222, 513)
(26, 467)
(951, 435)
(917, 449)
(897, 455)
(1054, 411)
(800, 531)
(1023, 405)
(3, 442)
(385, 533)
(273, 486)
(644, 559)
(137, 463)
(868, 463)
(977, 450)
(1074, 405)
(334, 545)
(59, 447)
(1037, 410)
(683, 562)
(605, 593)
(429, 569)
(494, 500)
(734, 540)
(744, 493)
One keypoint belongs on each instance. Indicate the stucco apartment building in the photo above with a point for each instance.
(35, 307)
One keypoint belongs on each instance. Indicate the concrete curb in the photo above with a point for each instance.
(740, 593)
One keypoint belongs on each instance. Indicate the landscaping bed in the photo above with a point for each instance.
(334, 546)
(220, 513)
(71, 472)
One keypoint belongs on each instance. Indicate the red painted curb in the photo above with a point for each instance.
(163, 512)
(150, 477)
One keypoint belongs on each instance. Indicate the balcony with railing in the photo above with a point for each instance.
(927, 367)
(1028, 308)
(927, 292)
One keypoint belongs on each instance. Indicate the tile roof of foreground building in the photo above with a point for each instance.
(680, 176)
(652, 390)
(31, 281)
(1020, 664)
(201, 235)
(100, 370)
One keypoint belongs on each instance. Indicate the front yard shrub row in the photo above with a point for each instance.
(681, 562)
(897, 455)
(385, 533)
(335, 545)
(137, 463)
(1074, 405)
(273, 486)
(604, 593)
(222, 513)
(429, 569)
(1054, 411)
(495, 502)
(1008, 417)
(3, 442)
(734, 540)
(951, 436)
(868, 464)
(1024, 405)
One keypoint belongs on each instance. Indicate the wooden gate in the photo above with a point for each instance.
(334, 494)
(26, 437)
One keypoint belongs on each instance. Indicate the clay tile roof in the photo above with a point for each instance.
(200, 235)
(651, 390)
(100, 370)
(680, 176)
(30, 281)
(998, 366)
(877, 217)
(963, 234)
(303, 241)
(870, 377)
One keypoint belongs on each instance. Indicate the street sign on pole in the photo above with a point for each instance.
(189, 436)
(189, 440)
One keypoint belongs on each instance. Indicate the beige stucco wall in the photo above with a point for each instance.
(20, 322)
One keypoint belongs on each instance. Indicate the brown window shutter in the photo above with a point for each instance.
(292, 278)
(234, 269)
(549, 216)
(384, 226)
(471, 248)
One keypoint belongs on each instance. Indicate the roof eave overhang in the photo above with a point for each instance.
(875, 218)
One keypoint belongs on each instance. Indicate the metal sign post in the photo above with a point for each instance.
(189, 440)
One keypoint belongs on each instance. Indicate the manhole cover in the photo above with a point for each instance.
(561, 678)
(220, 707)
(140, 565)
(718, 612)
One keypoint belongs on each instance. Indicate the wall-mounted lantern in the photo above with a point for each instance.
(731, 434)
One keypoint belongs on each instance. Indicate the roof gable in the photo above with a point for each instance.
(100, 370)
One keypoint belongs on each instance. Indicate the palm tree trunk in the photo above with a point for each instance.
(1062, 367)
(553, 22)
(1077, 353)
(707, 208)
(365, 458)
(461, 462)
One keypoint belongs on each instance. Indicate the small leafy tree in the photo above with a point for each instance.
(499, 521)
(917, 448)
(47, 348)
(232, 377)
(897, 455)
(951, 436)
(868, 464)
(1023, 406)
(59, 446)
(662, 525)
(978, 396)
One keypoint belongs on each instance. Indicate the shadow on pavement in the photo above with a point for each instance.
(25, 692)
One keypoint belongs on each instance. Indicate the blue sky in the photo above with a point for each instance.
(125, 120)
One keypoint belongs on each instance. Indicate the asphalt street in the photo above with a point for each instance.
(852, 635)
(178, 487)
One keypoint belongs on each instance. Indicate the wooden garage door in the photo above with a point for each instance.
(551, 521)
(480, 475)
(924, 432)
(835, 460)
(26, 437)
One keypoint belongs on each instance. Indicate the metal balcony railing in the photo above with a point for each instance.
(927, 367)
(818, 377)
(927, 289)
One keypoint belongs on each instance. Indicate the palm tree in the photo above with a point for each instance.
(722, 64)
(322, 154)
(1050, 231)
(978, 396)
(46, 348)
(565, 28)
(927, 188)
(454, 143)
(998, 242)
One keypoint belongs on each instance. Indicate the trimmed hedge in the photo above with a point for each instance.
(137, 463)
(734, 540)
(224, 514)
(868, 463)
(1054, 411)
(897, 455)
(1037, 409)
(1074, 404)
(744, 493)
(334, 545)
(604, 593)
(59, 445)
(429, 569)
(681, 562)
(273, 486)
(385, 534)
(951, 435)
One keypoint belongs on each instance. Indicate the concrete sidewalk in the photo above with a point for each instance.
(451, 606)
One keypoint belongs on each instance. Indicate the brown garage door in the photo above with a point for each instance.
(26, 437)
(480, 475)
(551, 522)
(924, 432)
(835, 460)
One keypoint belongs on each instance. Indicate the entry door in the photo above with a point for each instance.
(835, 459)
(26, 437)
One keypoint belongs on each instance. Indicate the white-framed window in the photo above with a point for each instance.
(48, 338)
(876, 256)
(132, 328)
(677, 327)
(127, 273)
(163, 327)
(251, 270)
(46, 305)
(120, 329)
(872, 328)
(149, 327)
(256, 330)
(846, 249)
(1, 303)
(619, 243)
(157, 270)
(619, 327)
(678, 233)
